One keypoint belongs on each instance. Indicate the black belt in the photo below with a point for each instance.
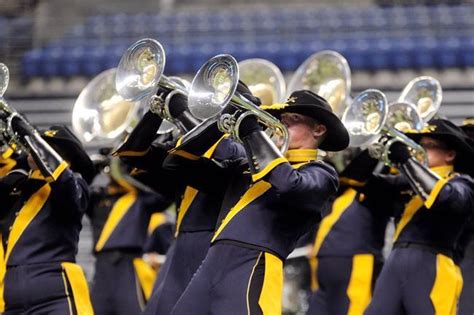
(425, 247)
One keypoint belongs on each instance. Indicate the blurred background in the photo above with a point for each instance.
(54, 47)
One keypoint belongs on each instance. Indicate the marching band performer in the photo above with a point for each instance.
(197, 211)
(466, 301)
(420, 276)
(41, 215)
(269, 201)
(347, 253)
(120, 214)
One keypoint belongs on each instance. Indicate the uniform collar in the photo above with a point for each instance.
(443, 171)
(302, 155)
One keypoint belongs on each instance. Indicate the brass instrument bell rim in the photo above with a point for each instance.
(418, 124)
(280, 79)
(436, 102)
(125, 69)
(87, 100)
(367, 139)
(4, 78)
(299, 73)
(195, 94)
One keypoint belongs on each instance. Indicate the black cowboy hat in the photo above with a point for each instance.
(309, 104)
(451, 135)
(70, 148)
(468, 127)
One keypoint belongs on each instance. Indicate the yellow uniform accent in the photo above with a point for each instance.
(191, 193)
(8, 152)
(275, 106)
(146, 276)
(313, 263)
(359, 289)
(350, 182)
(59, 170)
(156, 220)
(302, 155)
(268, 168)
(122, 205)
(8, 165)
(435, 192)
(447, 286)
(292, 156)
(272, 289)
(416, 202)
(80, 291)
(338, 208)
(410, 209)
(130, 153)
(26, 214)
(250, 195)
(185, 154)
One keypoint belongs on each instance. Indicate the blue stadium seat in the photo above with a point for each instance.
(30, 65)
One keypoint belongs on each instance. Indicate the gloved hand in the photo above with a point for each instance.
(21, 126)
(178, 105)
(243, 90)
(399, 153)
(248, 126)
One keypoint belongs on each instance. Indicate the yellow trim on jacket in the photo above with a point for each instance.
(255, 191)
(339, 206)
(8, 165)
(416, 203)
(120, 208)
(191, 193)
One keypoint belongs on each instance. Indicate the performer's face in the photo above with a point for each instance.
(438, 153)
(304, 132)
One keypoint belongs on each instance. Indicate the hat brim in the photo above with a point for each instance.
(337, 137)
(75, 155)
(459, 145)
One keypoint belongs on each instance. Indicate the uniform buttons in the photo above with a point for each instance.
(10, 228)
(17, 213)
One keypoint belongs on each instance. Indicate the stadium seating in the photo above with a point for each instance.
(371, 38)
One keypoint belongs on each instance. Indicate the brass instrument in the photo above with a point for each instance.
(214, 86)
(8, 138)
(326, 73)
(100, 115)
(140, 75)
(426, 94)
(4, 78)
(369, 117)
(264, 80)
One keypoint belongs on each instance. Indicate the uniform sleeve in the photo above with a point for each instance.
(381, 193)
(211, 172)
(202, 174)
(71, 192)
(151, 160)
(313, 184)
(454, 195)
(156, 202)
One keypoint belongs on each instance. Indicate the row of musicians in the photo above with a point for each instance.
(238, 221)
